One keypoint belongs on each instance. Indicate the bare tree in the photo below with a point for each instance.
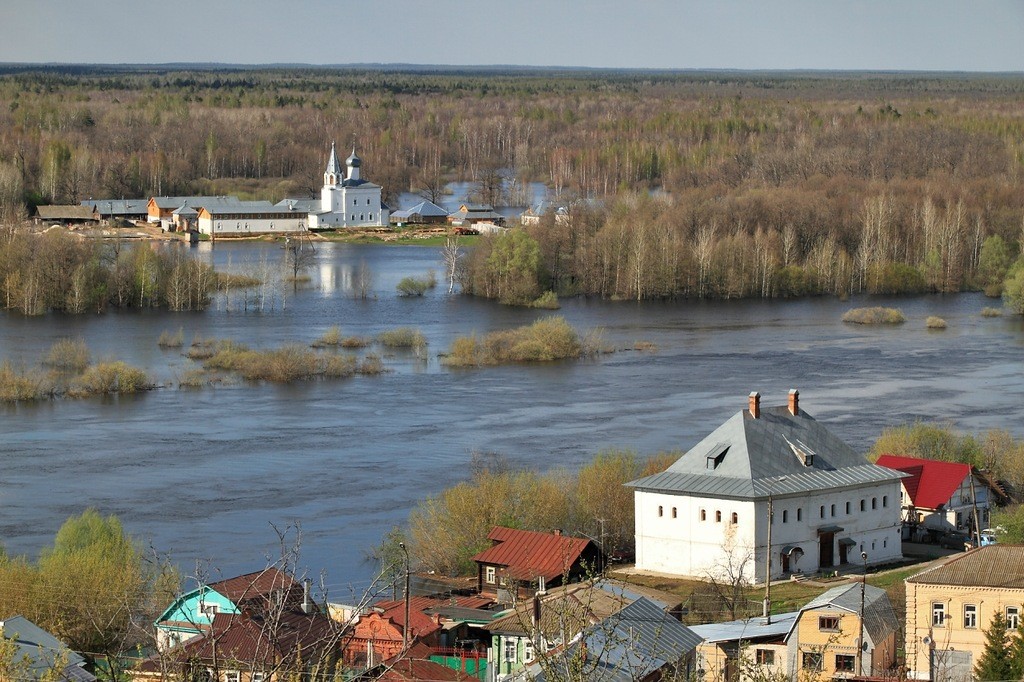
(452, 259)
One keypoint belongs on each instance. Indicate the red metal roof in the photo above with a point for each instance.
(256, 584)
(528, 554)
(931, 482)
(409, 669)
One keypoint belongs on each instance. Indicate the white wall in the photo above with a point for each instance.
(686, 545)
(234, 227)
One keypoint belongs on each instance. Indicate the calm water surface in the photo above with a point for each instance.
(203, 473)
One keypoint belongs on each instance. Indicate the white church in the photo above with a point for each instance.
(348, 200)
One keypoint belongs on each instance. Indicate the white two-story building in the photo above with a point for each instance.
(707, 515)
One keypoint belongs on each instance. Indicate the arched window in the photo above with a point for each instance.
(874, 503)
(735, 518)
(718, 516)
(799, 514)
(661, 510)
(885, 500)
(703, 514)
(673, 512)
(785, 516)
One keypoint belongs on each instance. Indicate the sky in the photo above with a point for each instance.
(930, 35)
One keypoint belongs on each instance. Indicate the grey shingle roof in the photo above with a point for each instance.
(118, 207)
(73, 212)
(171, 203)
(879, 616)
(305, 205)
(749, 458)
(424, 208)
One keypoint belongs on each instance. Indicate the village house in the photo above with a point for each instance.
(347, 200)
(423, 213)
(469, 215)
(828, 632)
(939, 497)
(192, 613)
(520, 562)
(949, 607)
(745, 650)
(129, 210)
(160, 210)
(67, 215)
(252, 647)
(708, 513)
(35, 654)
(637, 643)
(554, 618)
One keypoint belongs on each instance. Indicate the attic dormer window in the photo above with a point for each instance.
(716, 455)
(802, 452)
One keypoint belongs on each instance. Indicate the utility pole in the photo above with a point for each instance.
(767, 611)
(405, 628)
(604, 559)
(860, 640)
(974, 511)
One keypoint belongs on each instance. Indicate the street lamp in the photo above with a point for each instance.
(860, 640)
(405, 630)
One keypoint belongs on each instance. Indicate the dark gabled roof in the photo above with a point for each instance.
(528, 554)
(72, 212)
(41, 650)
(992, 566)
(930, 483)
(366, 184)
(879, 616)
(425, 208)
(748, 458)
(255, 585)
(118, 207)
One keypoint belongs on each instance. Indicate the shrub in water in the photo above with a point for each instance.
(403, 337)
(876, 315)
(991, 312)
(549, 339)
(16, 386)
(171, 339)
(332, 337)
(68, 355)
(111, 377)
(934, 322)
(412, 286)
(548, 301)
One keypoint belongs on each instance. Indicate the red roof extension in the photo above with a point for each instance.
(528, 554)
(931, 482)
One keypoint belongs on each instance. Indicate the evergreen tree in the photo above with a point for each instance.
(1016, 648)
(995, 663)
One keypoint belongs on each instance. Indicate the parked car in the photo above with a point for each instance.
(955, 541)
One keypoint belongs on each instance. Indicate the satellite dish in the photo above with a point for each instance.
(926, 640)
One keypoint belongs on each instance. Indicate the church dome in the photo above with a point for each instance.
(353, 160)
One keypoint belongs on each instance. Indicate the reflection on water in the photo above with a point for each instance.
(202, 473)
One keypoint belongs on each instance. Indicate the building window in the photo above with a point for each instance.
(862, 508)
(528, 653)
(258, 677)
(874, 503)
(847, 507)
(232, 676)
(735, 518)
(845, 663)
(1012, 618)
(764, 657)
(718, 516)
(371, 216)
(828, 623)
(812, 660)
(938, 614)
(885, 500)
(821, 511)
(970, 616)
(785, 516)
(703, 514)
(674, 512)
(489, 575)
(367, 202)
(208, 609)
(510, 649)
(799, 514)
(833, 511)
(661, 510)
(354, 202)
(959, 519)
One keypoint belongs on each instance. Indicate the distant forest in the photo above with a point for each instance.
(717, 184)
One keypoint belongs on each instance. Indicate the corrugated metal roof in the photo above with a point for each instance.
(171, 203)
(73, 212)
(424, 208)
(304, 205)
(528, 554)
(992, 566)
(417, 670)
(749, 629)
(118, 207)
(748, 458)
(40, 649)
(629, 645)
(930, 483)
(255, 585)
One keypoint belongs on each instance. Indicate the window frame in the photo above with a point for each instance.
(848, 665)
(811, 660)
(971, 616)
(938, 614)
(1012, 620)
(490, 575)
(825, 623)
(764, 656)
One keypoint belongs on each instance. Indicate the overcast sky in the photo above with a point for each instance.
(968, 35)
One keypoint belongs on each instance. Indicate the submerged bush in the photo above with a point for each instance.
(414, 286)
(543, 341)
(934, 322)
(17, 385)
(547, 301)
(991, 312)
(171, 339)
(332, 337)
(111, 377)
(876, 315)
(68, 355)
(286, 364)
(402, 337)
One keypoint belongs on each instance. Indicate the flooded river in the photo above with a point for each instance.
(202, 474)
